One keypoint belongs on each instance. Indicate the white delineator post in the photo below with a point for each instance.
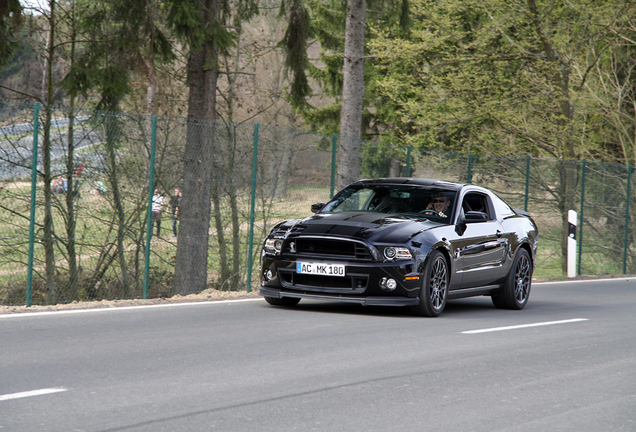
(571, 243)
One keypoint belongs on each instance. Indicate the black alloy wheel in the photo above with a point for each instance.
(516, 289)
(434, 290)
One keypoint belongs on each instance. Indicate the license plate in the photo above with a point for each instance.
(321, 269)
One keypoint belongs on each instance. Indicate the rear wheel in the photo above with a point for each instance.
(516, 289)
(434, 288)
(285, 301)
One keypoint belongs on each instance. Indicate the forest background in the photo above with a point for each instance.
(508, 78)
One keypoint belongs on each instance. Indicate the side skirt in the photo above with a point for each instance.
(471, 292)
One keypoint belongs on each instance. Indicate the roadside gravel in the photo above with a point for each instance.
(206, 295)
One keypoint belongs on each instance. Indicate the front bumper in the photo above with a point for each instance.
(362, 300)
(360, 285)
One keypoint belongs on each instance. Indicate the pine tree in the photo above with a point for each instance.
(10, 20)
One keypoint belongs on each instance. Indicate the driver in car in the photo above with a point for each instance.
(440, 204)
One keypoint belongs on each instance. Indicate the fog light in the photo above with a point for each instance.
(388, 284)
(268, 275)
(391, 284)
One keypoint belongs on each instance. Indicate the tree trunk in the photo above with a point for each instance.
(192, 244)
(349, 157)
(230, 278)
(235, 280)
(284, 170)
(112, 130)
(49, 255)
(70, 207)
(220, 237)
(46, 150)
(561, 82)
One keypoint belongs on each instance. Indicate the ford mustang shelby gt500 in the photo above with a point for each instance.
(403, 242)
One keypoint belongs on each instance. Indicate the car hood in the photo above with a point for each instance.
(371, 227)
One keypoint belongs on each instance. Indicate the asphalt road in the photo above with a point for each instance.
(568, 365)
(16, 153)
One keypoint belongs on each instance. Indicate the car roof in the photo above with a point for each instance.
(412, 181)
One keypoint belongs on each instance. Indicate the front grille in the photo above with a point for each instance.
(328, 248)
(362, 252)
(352, 284)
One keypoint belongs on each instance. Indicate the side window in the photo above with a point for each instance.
(477, 202)
(503, 209)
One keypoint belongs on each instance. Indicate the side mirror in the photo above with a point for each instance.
(316, 207)
(475, 216)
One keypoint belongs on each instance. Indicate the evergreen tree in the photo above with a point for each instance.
(202, 25)
(363, 114)
(10, 20)
(120, 37)
(349, 157)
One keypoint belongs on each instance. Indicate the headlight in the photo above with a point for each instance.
(397, 253)
(273, 245)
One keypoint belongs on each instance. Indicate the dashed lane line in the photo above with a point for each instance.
(522, 326)
(31, 393)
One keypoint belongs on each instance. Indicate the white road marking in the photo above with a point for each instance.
(495, 329)
(579, 281)
(220, 302)
(31, 393)
(122, 308)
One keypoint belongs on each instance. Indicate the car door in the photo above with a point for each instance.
(480, 248)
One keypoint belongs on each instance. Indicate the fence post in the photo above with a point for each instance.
(525, 204)
(34, 182)
(581, 214)
(408, 161)
(469, 177)
(629, 182)
(571, 254)
(151, 187)
(252, 209)
(334, 142)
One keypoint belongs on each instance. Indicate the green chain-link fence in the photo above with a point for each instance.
(95, 238)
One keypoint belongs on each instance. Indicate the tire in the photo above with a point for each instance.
(434, 290)
(285, 301)
(515, 291)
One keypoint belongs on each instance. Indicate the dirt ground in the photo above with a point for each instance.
(207, 295)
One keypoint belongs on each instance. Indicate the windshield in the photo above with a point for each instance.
(431, 202)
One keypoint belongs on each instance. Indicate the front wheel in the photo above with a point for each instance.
(434, 288)
(515, 291)
(285, 301)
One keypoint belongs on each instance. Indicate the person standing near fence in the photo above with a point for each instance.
(98, 188)
(174, 204)
(157, 205)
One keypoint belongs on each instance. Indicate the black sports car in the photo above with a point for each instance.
(403, 242)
